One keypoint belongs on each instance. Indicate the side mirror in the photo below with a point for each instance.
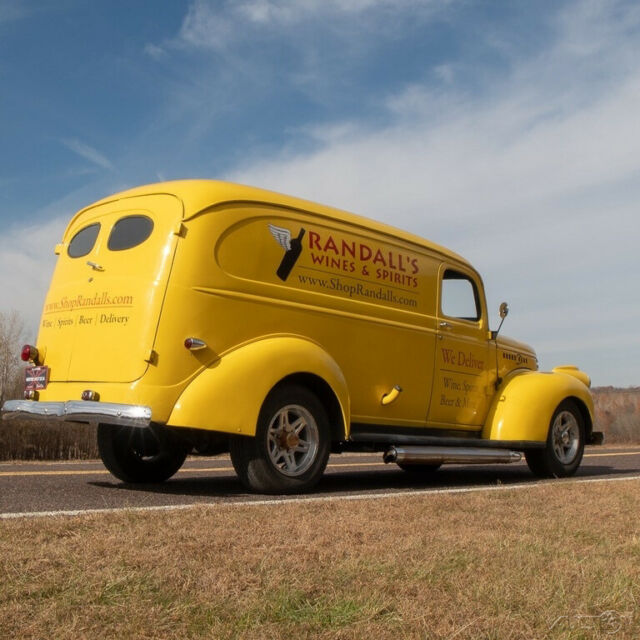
(504, 312)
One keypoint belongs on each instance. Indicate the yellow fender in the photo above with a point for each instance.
(526, 401)
(228, 395)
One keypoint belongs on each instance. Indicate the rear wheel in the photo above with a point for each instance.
(291, 447)
(140, 455)
(563, 452)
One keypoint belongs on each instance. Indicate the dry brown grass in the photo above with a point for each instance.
(496, 565)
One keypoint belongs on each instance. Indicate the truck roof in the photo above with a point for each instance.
(198, 195)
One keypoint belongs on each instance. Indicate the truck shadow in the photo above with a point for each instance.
(361, 482)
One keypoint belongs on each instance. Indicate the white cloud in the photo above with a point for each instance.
(536, 182)
(155, 51)
(26, 264)
(88, 153)
(211, 24)
(534, 177)
(204, 27)
(288, 12)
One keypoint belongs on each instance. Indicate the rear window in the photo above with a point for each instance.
(82, 243)
(129, 232)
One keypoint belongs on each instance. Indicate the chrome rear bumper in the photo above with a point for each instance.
(129, 415)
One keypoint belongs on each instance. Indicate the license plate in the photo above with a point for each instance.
(36, 378)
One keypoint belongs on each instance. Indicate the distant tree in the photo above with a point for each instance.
(12, 330)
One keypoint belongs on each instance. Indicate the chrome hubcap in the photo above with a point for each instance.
(292, 440)
(565, 434)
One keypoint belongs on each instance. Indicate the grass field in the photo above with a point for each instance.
(559, 560)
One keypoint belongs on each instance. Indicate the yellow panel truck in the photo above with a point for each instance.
(205, 317)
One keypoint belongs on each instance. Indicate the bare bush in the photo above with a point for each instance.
(30, 439)
(33, 440)
(12, 331)
(617, 413)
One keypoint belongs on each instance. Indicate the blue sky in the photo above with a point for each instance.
(507, 131)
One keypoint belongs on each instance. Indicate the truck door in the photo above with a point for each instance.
(104, 303)
(462, 373)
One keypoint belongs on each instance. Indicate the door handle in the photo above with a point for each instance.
(445, 325)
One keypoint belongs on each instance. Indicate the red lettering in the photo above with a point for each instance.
(314, 240)
(348, 248)
(448, 355)
(379, 258)
(330, 245)
(365, 252)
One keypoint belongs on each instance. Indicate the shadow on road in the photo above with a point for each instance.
(336, 483)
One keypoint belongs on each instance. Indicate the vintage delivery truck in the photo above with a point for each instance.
(205, 317)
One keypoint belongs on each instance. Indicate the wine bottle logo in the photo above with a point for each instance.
(291, 246)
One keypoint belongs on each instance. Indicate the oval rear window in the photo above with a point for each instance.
(82, 243)
(129, 232)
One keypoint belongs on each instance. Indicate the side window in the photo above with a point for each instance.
(82, 243)
(129, 232)
(459, 296)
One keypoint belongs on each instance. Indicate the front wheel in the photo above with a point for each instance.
(291, 447)
(133, 454)
(563, 451)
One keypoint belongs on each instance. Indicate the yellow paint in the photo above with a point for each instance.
(106, 318)
(228, 394)
(278, 287)
(392, 396)
(525, 402)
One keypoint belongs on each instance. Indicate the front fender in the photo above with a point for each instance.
(526, 401)
(228, 394)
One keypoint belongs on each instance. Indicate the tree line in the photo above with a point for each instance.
(12, 337)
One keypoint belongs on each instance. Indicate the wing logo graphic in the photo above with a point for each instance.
(282, 236)
(292, 249)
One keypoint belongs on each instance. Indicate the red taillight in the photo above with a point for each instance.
(29, 353)
(193, 344)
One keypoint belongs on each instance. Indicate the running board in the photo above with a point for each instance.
(391, 438)
(441, 455)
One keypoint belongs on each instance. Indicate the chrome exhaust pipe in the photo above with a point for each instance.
(457, 455)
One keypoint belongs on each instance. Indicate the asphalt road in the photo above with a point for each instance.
(52, 487)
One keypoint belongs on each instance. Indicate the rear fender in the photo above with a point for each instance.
(228, 395)
(526, 401)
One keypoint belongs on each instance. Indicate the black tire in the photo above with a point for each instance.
(563, 451)
(291, 447)
(420, 469)
(140, 455)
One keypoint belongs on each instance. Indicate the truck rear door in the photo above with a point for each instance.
(103, 307)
